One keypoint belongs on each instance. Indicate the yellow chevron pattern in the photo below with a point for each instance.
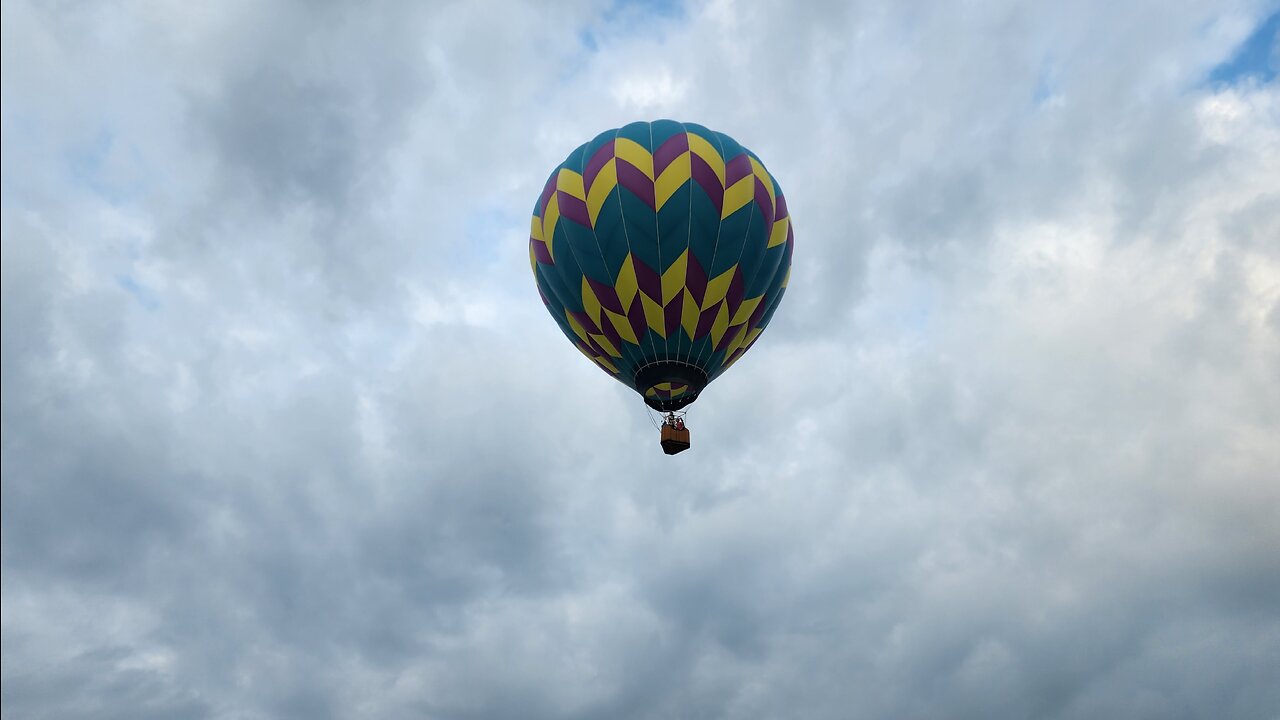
(674, 285)
(673, 177)
(570, 183)
(679, 172)
(705, 150)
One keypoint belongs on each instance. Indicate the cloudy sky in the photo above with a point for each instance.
(287, 432)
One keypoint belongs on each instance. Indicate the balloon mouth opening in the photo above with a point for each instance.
(669, 385)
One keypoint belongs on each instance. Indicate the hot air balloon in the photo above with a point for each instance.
(662, 249)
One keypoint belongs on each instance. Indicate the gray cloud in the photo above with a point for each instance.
(286, 432)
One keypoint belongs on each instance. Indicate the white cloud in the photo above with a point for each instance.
(648, 90)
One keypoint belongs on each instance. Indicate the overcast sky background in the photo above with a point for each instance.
(287, 432)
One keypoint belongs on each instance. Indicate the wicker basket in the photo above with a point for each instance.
(674, 440)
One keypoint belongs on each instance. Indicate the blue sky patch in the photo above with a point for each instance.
(107, 166)
(630, 15)
(1258, 57)
(144, 295)
(1047, 82)
(660, 8)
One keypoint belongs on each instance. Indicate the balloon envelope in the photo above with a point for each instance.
(662, 249)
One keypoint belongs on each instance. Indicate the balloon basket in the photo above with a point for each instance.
(674, 440)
